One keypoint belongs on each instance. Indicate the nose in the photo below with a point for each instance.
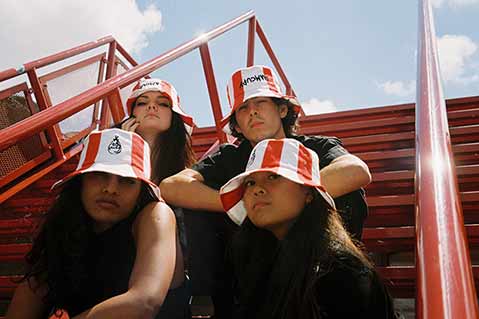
(152, 106)
(259, 190)
(111, 184)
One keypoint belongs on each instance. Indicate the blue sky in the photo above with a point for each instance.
(343, 52)
(337, 54)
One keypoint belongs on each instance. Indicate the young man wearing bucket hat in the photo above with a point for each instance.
(259, 110)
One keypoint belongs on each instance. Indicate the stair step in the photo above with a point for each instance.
(401, 280)
(396, 239)
(399, 210)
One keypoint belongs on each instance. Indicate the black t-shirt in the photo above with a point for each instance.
(230, 160)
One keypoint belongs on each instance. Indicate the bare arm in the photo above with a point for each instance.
(345, 174)
(155, 235)
(26, 303)
(186, 189)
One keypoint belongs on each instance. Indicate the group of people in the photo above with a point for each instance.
(268, 228)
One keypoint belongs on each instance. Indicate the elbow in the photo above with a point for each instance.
(167, 188)
(363, 173)
(148, 308)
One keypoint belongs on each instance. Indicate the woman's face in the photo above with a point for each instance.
(108, 198)
(273, 202)
(153, 112)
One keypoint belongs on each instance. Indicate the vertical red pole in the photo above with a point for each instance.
(114, 101)
(275, 61)
(445, 284)
(52, 132)
(212, 90)
(105, 117)
(251, 38)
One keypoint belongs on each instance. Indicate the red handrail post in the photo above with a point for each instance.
(116, 108)
(251, 37)
(274, 59)
(445, 284)
(42, 105)
(212, 90)
(106, 108)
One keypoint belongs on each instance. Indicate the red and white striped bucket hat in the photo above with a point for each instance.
(252, 82)
(117, 152)
(286, 157)
(148, 85)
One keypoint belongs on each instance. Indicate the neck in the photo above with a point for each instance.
(150, 138)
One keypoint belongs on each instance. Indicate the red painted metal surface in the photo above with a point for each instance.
(10, 73)
(34, 124)
(251, 38)
(445, 286)
(212, 89)
(53, 134)
(106, 109)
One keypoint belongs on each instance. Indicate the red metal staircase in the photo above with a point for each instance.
(34, 153)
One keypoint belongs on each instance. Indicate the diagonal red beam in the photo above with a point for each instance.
(53, 115)
(445, 282)
(10, 73)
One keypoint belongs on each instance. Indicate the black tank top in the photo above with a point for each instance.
(109, 264)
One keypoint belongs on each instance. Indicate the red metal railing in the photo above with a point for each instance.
(48, 117)
(445, 285)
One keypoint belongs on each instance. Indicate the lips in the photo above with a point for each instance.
(107, 203)
(151, 115)
(259, 205)
(255, 124)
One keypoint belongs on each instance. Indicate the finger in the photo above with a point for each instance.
(134, 127)
(128, 123)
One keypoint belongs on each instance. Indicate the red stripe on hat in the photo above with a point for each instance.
(305, 164)
(92, 151)
(238, 90)
(269, 75)
(137, 153)
(230, 199)
(272, 154)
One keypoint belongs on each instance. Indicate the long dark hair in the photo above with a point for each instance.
(276, 279)
(172, 151)
(57, 260)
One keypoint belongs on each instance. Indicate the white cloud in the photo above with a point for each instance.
(398, 88)
(34, 29)
(315, 106)
(453, 3)
(455, 56)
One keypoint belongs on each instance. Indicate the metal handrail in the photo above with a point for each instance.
(445, 284)
(10, 73)
(34, 124)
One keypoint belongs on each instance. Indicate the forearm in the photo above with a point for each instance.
(188, 192)
(26, 303)
(126, 305)
(344, 175)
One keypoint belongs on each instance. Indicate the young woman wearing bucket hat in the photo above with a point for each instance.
(156, 115)
(108, 245)
(292, 256)
(259, 110)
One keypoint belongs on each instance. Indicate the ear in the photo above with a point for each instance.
(283, 110)
(238, 129)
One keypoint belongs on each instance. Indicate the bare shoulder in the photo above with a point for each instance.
(155, 215)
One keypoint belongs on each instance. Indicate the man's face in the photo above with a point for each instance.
(259, 118)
